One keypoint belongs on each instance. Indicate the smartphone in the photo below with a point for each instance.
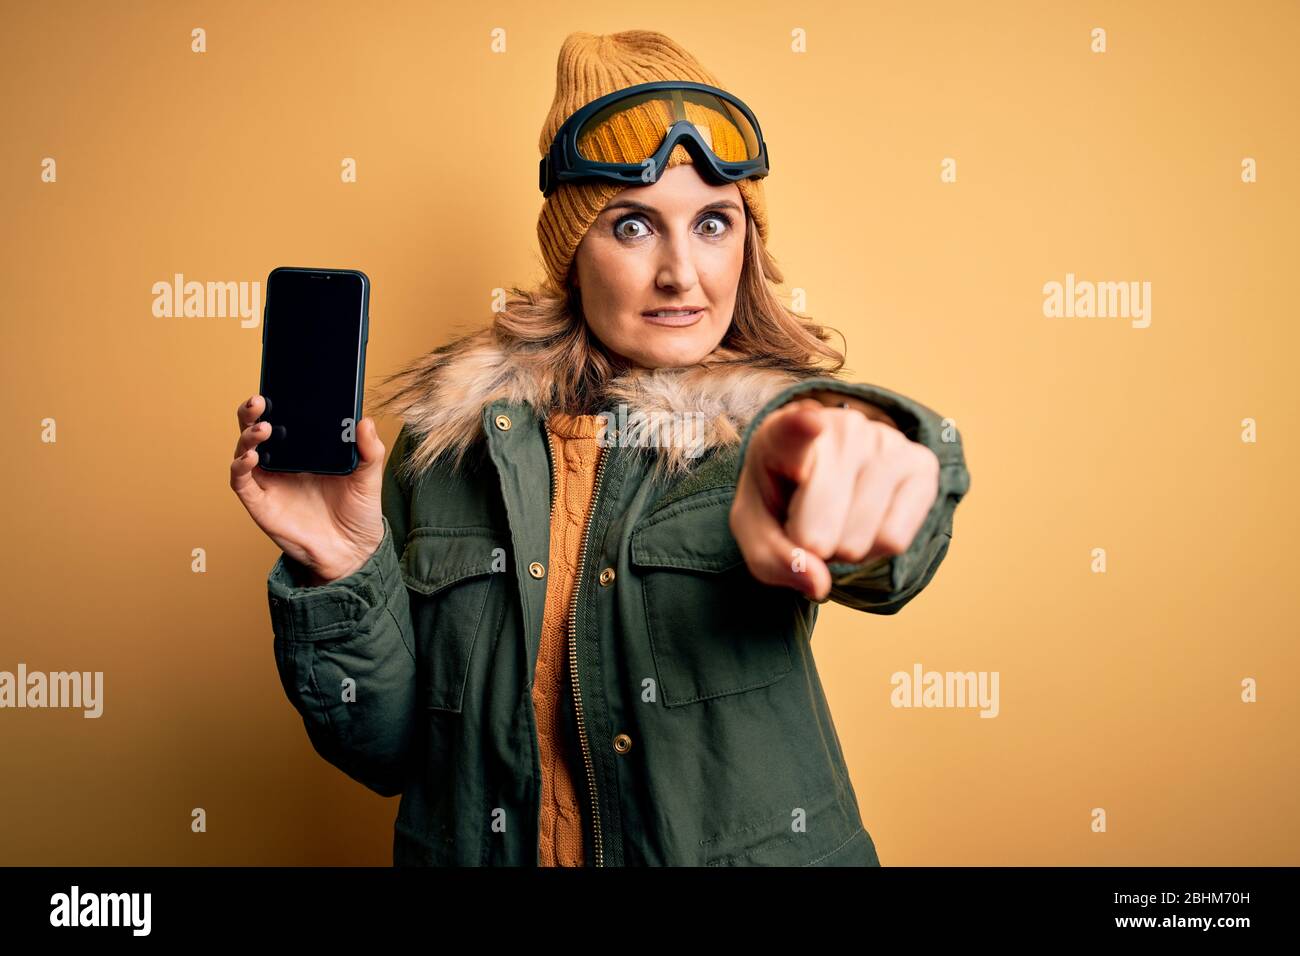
(314, 329)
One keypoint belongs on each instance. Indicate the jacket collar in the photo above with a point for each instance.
(443, 395)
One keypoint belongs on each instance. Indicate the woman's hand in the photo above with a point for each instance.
(825, 484)
(330, 523)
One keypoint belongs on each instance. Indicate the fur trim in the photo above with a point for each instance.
(441, 397)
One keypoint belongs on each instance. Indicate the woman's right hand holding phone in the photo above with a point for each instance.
(332, 524)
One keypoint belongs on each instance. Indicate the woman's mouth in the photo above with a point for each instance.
(673, 317)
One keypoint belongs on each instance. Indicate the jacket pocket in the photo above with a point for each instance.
(453, 575)
(713, 629)
(831, 834)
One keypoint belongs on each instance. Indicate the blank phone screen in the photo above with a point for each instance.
(312, 357)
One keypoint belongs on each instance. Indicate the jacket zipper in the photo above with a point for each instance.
(597, 837)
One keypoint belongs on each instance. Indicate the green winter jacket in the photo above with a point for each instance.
(703, 727)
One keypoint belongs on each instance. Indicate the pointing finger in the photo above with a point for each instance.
(770, 555)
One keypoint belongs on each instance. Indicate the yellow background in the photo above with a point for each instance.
(1119, 691)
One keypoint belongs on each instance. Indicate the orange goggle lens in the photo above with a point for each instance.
(630, 130)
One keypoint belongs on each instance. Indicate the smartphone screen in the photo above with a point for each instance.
(314, 333)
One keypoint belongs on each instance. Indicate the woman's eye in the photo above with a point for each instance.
(621, 233)
(723, 224)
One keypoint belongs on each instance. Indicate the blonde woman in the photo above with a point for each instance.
(569, 618)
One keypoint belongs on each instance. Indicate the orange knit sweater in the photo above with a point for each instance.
(576, 454)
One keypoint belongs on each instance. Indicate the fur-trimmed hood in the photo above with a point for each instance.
(440, 397)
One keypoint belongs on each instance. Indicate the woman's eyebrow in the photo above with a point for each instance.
(651, 210)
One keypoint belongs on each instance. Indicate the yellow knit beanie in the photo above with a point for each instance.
(589, 66)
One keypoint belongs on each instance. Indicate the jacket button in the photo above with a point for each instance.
(622, 743)
(606, 577)
(536, 570)
(503, 422)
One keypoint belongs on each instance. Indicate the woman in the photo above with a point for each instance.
(620, 675)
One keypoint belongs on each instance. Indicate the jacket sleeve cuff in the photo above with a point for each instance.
(306, 613)
(885, 584)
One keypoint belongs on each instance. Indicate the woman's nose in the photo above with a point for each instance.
(677, 270)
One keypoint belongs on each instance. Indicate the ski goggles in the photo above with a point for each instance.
(626, 136)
